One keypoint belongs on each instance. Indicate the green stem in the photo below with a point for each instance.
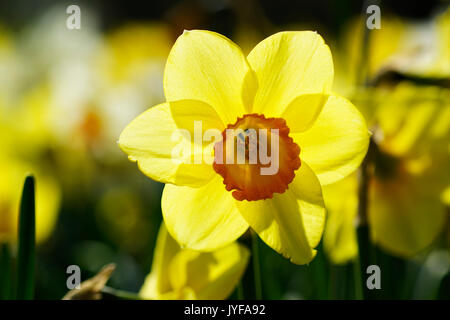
(364, 246)
(357, 279)
(240, 291)
(256, 266)
(26, 252)
(5, 272)
(122, 294)
(320, 275)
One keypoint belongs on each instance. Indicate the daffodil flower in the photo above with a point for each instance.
(406, 210)
(186, 274)
(284, 84)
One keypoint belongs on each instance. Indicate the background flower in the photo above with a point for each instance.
(186, 274)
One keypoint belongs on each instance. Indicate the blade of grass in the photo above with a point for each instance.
(5, 272)
(26, 242)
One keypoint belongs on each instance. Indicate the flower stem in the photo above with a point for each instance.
(366, 251)
(361, 261)
(121, 294)
(256, 266)
(240, 291)
(357, 279)
(364, 246)
(5, 272)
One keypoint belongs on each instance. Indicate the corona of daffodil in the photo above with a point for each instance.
(283, 85)
(186, 274)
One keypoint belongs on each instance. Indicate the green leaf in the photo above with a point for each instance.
(26, 251)
(5, 272)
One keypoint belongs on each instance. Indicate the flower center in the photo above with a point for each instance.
(256, 157)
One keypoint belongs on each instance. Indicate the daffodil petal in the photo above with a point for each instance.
(336, 143)
(206, 66)
(211, 275)
(289, 64)
(406, 217)
(203, 218)
(161, 151)
(445, 196)
(157, 282)
(341, 201)
(187, 113)
(407, 116)
(303, 111)
(290, 223)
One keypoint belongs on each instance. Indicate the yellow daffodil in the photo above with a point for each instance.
(47, 200)
(284, 86)
(186, 274)
(411, 171)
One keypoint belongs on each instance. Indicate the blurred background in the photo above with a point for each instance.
(65, 96)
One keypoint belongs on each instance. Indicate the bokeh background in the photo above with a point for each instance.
(65, 96)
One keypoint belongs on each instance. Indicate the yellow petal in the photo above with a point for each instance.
(384, 43)
(289, 64)
(405, 213)
(207, 66)
(336, 143)
(341, 201)
(186, 112)
(203, 218)
(157, 282)
(162, 153)
(406, 115)
(303, 111)
(445, 196)
(291, 223)
(203, 124)
(211, 275)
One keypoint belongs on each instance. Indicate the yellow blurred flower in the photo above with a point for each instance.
(411, 170)
(47, 199)
(383, 44)
(133, 51)
(341, 201)
(446, 196)
(418, 49)
(426, 50)
(284, 83)
(186, 274)
(131, 65)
